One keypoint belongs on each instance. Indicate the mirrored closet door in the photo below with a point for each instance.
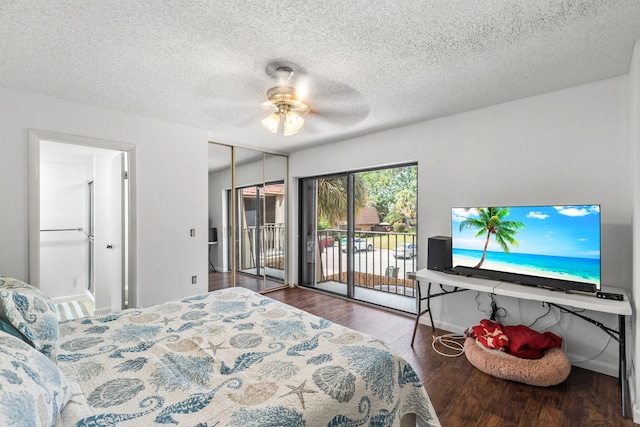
(247, 201)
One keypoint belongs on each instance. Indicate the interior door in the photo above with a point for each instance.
(116, 243)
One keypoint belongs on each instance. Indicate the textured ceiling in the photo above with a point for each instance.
(368, 65)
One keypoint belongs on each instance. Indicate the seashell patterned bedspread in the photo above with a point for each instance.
(233, 358)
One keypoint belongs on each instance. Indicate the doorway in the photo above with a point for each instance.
(79, 224)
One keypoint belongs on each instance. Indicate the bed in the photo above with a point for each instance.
(227, 358)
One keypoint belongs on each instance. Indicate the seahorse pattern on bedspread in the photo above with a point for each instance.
(235, 358)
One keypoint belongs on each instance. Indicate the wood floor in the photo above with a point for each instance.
(219, 280)
(462, 395)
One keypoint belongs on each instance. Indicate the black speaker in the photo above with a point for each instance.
(213, 234)
(439, 253)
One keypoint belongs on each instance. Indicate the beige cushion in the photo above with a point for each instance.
(553, 368)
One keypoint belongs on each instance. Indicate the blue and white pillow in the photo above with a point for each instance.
(33, 390)
(32, 313)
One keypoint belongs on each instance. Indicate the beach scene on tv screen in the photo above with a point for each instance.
(561, 242)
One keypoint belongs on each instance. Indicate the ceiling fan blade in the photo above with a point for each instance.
(339, 115)
(269, 107)
(239, 116)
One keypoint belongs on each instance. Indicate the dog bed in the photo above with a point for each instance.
(553, 368)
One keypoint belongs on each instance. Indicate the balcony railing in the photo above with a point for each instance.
(382, 260)
(271, 253)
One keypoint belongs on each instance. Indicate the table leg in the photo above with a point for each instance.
(622, 371)
(418, 311)
(211, 267)
(429, 306)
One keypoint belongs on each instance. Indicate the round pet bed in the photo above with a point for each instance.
(551, 369)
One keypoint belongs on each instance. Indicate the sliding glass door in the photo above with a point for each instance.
(324, 233)
(358, 235)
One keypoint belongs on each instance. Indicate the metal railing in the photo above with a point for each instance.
(382, 260)
(271, 243)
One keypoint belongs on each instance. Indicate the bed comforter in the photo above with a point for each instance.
(232, 358)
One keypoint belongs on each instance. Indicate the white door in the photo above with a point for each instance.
(116, 247)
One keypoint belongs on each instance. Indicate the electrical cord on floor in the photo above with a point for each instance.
(449, 341)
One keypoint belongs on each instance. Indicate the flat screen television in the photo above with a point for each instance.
(548, 246)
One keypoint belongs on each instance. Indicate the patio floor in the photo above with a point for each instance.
(385, 299)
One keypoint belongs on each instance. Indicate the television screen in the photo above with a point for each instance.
(556, 242)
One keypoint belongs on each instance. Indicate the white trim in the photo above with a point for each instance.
(102, 312)
(34, 209)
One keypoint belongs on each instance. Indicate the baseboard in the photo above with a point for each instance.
(595, 365)
(102, 311)
(449, 327)
(635, 411)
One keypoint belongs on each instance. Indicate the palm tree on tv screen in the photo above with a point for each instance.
(491, 223)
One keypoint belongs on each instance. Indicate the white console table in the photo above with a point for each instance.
(555, 298)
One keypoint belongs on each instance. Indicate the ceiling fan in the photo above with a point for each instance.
(319, 103)
(284, 104)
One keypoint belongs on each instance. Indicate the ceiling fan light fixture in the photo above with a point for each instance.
(292, 123)
(284, 104)
(271, 123)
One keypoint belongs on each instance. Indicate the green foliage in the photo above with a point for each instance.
(385, 184)
(332, 198)
(391, 191)
(406, 204)
(323, 225)
(400, 227)
(394, 216)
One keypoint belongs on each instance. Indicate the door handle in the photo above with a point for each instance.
(109, 246)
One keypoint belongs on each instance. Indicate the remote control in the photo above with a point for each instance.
(609, 295)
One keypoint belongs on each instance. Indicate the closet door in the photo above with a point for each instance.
(249, 202)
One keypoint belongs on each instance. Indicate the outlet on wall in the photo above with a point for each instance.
(194, 280)
(192, 232)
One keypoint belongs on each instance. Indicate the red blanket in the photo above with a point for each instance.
(519, 340)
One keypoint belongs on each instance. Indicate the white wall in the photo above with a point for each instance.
(565, 147)
(634, 143)
(171, 188)
(63, 204)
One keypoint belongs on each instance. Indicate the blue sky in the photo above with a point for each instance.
(571, 231)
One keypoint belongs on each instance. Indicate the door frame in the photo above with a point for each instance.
(34, 138)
